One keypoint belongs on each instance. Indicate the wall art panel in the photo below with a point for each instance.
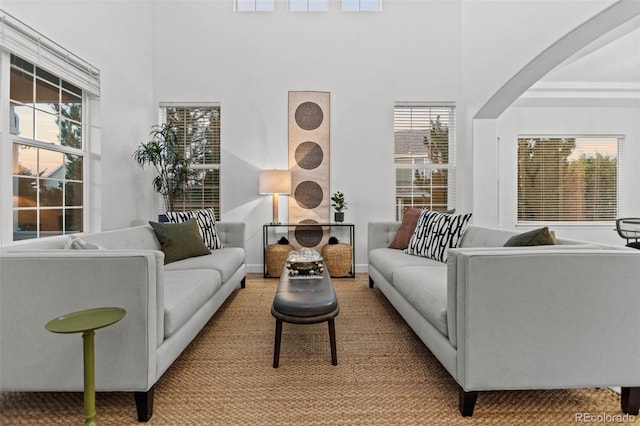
(309, 142)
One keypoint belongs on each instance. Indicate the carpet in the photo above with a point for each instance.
(384, 376)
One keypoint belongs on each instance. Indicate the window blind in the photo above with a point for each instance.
(424, 156)
(198, 129)
(568, 179)
(22, 40)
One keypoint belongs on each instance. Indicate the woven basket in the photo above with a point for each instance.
(338, 258)
(276, 255)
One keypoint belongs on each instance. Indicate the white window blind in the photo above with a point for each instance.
(568, 179)
(22, 40)
(424, 156)
(199, 130)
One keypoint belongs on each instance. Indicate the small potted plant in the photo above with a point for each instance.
(339, 204)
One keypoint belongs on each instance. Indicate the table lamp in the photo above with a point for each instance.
(275, 182)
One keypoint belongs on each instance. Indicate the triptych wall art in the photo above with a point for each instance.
(309, 148)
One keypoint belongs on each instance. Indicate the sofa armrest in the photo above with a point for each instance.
(553, 318)
(380, 234)
(231, 233)
(39, 286)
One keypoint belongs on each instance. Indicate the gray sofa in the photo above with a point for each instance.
(167, 305)
(498, 318)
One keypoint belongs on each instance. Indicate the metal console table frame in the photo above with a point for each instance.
(292, 226)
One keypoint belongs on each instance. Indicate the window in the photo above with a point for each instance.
(568, 179)
(361, 5)
(424, 156)
(308, 5)
(48, 152)
(199, 130)
(254, 5)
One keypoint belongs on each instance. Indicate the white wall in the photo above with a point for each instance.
(199, 51)
(249, 62)
(115, 37)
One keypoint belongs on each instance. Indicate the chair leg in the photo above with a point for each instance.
(630, 400)
(466, 401)
(144, 404)
(276, 350)
(332, 341)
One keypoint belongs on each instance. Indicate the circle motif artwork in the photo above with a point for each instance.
(308, 236)
(309, 115)
(308, 194)
(309, 155)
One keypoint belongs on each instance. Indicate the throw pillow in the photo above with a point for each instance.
(179, 240)
(537, 237)
(206, 219)
(408, 225)
(78, 243)
(436, 233)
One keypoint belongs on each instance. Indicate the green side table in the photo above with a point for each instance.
(86, 322)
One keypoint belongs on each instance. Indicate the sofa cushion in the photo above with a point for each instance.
(478, 236)
(405, 231)
(206, 219)
(226, 261)
(387, 260)
(179, 240)
(536, 237)
(184, 293)
(436, 233)
(425, 288)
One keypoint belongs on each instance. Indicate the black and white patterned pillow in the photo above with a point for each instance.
(436, 233)
(206, 219)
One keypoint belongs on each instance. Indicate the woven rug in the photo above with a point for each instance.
(384, 376)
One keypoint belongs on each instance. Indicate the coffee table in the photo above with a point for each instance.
(305, 301)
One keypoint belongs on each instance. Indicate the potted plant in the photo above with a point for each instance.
(339, 204)
(171, 159)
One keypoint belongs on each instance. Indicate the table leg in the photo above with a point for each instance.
(89, 379)
(332, 341)
(276, 350)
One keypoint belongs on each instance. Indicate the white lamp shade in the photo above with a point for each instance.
(274, 182)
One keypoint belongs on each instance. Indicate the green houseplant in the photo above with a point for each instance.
(339, 204)
(172, 161)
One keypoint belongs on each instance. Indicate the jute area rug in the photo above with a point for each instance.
(384, 376)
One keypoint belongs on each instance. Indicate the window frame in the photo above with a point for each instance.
(431, 110)
(202, 166)
(620, 172)
(8, 237)
(345, 6)
(28, 44)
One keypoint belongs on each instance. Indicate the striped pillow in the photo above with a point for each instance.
(206, 219)
(436, 233)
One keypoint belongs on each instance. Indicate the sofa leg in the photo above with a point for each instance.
(243, 283)
(144, 404)
(370, 282)
(630, 400)
(466, 401)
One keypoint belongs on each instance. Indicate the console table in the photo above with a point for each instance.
(350, 227)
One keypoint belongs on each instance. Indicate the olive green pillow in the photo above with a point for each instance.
(179, 240)
(537, 237)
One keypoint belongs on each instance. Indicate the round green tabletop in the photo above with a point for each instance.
(89, 319)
